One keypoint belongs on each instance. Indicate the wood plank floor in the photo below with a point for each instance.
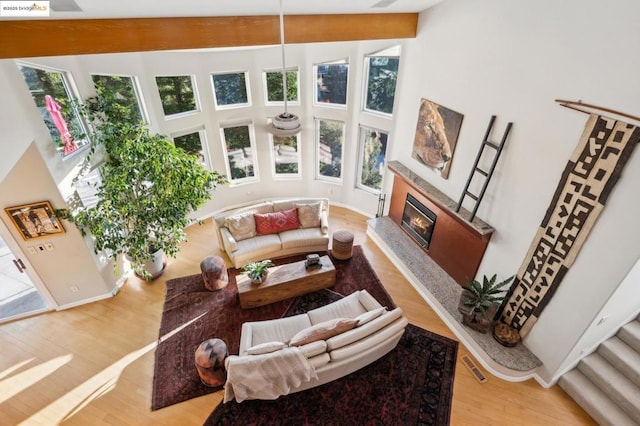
(93, 365)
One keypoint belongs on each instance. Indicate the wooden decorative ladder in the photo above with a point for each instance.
(486, 174)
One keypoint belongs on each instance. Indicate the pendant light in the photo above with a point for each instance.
(285, 124)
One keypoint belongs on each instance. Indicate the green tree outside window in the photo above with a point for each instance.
(119, 98)
(274, 86)
(330, 144)
(191, 144)
(381, 83)
(230, 89)
(239, 152)
(373, 152)
(176, 94)
(332, 83)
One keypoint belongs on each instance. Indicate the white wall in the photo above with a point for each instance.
(512, 59)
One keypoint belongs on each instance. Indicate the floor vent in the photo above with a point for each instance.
(473, 368)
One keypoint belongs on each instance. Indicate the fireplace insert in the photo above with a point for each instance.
(418, 221)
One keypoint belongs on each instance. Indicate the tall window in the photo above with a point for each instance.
(331, 83)
(239, 149)
(121, 97)
(273, 85)
(381, 78)
(177, 94)
(51, 91)
(286, 156)
(330, 144)
(194, 143)
(372, 151)
(231, 89)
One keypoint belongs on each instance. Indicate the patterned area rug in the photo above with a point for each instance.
(412, 385)
(193, 314)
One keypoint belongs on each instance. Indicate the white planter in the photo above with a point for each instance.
(155, 266)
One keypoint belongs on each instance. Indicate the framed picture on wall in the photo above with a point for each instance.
(35, 220)
(436, 136)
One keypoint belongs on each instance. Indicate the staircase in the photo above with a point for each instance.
(606, 383)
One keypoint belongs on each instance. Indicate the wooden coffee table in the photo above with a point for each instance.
(285, 281)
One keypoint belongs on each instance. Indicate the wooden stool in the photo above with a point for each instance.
(214, 273)
(209, 359)
(342, 246)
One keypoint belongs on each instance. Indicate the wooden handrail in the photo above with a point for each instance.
(579, 105)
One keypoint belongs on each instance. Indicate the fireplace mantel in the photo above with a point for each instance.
(457, 244)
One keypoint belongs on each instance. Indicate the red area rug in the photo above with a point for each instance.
(194, 314)
(411, 385)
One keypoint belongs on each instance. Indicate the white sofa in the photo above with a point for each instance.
(338, 355)
(233, 229)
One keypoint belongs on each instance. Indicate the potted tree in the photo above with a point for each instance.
(148, 189)
(479, 302)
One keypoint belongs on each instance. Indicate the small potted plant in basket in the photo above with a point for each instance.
(257, 271)
(479, 302)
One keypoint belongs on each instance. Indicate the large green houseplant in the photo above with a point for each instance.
(479, 301)
(148, 188)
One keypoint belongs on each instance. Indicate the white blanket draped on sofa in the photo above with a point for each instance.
(266, 376)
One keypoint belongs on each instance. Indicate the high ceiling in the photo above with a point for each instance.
(95, 9)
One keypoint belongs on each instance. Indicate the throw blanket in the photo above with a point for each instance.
(266, 376)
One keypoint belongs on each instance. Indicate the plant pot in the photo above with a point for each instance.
(476, 320)
(155, 266)
(261, 278)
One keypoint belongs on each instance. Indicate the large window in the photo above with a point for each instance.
(121, 97)
(372, 151)
(239, 149)
(231, 90)
(285, 156)
(52, 93)
(329, 143)
(331, 83)
(195, 143)
(273, 85)
(177, 94)
(381, 78)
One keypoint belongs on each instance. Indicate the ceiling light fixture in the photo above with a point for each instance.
(285, 124)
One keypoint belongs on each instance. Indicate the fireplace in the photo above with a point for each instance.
(459, 245)
(418, 221)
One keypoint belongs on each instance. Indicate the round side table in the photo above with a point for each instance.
(342, 245)
(209, 359)
(214, 273)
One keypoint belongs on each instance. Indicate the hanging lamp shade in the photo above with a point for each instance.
(285, 124)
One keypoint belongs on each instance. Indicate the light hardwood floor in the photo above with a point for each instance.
(93, 365)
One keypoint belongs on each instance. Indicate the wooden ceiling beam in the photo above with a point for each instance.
(34, 38)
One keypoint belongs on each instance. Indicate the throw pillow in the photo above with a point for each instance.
(271, 223)
(309, 215)
(242, 226)
(265, 348)
(322, 331)
(370, 316)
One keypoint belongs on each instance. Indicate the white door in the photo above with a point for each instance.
(21, 291)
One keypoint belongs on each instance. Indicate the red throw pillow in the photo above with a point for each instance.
(271, 223)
